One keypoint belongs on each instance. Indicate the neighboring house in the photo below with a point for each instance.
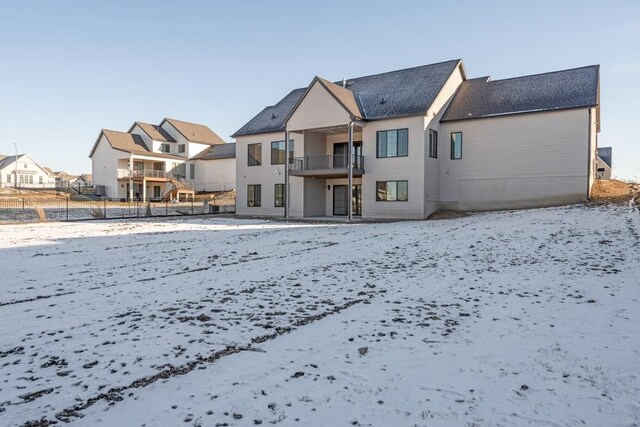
(421, 139)
(64, 180)
(604, 163)
(23, 173)
(216, 167)
(151, 161)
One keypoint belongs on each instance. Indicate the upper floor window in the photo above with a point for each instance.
(456, 145)
(277, 152)
(433, 143)
(165, 148)
(26, 166)
(181, 148)
(393, 143)
(192, 171)
(255, 155)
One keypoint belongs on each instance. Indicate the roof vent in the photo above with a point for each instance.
(383, 101)
(273, 116)
(344, 82)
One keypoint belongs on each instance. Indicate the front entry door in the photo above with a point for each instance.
(340, 200)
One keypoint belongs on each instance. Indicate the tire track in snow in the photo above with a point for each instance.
(116, 394)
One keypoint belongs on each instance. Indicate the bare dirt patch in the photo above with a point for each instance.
(612, 191)
(448, 214)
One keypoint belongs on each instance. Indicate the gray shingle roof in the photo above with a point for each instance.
(219, 151)
(556, 90)
(394, 94)
(7, 160)
(271, 119)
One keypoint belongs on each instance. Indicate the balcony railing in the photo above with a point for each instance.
(139, 173)
(311, 163)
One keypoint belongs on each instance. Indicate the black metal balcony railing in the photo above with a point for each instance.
(325, 163)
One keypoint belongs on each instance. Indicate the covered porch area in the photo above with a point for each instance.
(329, 177)
(150, 179)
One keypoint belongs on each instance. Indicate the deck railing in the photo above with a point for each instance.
(142, 173)
(309, 163)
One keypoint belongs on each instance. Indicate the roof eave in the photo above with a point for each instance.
(513, 113)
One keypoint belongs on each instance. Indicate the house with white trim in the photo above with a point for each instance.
(22, 171)
(155, 162)
(403, 144)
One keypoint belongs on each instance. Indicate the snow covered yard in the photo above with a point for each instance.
(509, 318)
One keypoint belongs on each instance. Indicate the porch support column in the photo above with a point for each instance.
(350, 166)
(131, 177)
(286, 174)
(144, 188)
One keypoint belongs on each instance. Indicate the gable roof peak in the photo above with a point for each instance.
(194, 132)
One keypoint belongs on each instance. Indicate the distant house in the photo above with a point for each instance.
(22, 171)
(405, 143)
(604, 163)
(161, 161)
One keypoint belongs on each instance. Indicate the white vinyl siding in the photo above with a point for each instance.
(518, 160)
(267, 175)
(409, 168)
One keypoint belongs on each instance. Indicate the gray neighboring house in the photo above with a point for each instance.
(405, 143)
(605, 162)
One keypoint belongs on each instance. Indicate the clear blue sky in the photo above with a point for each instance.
(70, 68)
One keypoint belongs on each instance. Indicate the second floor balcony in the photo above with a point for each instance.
(335, 166)
(143, 173)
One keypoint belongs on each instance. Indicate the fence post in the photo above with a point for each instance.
(192, 204)
(104, 204)
(166, 208)
(67, 208)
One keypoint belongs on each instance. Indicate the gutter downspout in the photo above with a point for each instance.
(286, 174)
(589, 160)
(350, 166)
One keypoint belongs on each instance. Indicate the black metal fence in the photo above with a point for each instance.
(16, 210)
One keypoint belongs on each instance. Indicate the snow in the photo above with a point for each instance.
(507, 318)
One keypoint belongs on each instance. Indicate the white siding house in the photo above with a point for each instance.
(23, 172)
(155, 161)
(422, 139)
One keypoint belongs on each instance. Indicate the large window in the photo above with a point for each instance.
(277, 152)
(433, 143)
(181, 148)
(456, 145)
(392, 191)
(278, 196)
(254, 196)
(393, 143)
(165, 148)
(180, 170)
(255, 154)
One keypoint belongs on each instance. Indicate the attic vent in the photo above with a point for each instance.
(383, 101)
(273, 116)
